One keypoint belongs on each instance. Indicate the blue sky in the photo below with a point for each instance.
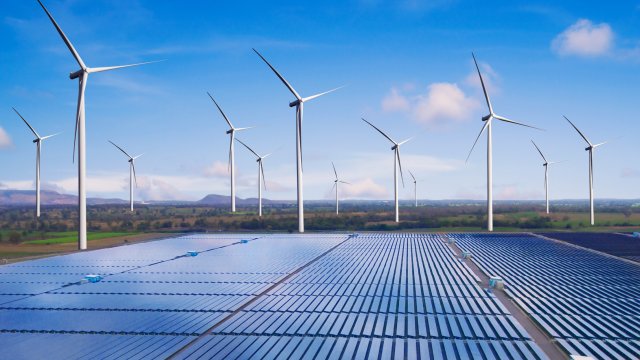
(407, 66)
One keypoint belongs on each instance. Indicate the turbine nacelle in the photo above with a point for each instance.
(295, 103)
(487, 117)
(77, 74)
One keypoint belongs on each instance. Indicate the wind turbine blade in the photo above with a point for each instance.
(264, 157)
(135, 178)
(230, 145)
(502, 118)
(50, 136)
(248, 148)
(484, 88)
(82, 85)
(380, 131)
(135, 157)
(405, 141)
(602, 143)
(108, 68)
(344, 182)
(334, 170)
(537, 148)
(413, 177)
(26, 122)
(221, 112)
(400, 165)
(556, 162)
(484, 126)
(333, 186)
(119, 148)
(284, 81)
(578, 130)
(64, 37)
(323, 93)
(244, 128)
(264, 181)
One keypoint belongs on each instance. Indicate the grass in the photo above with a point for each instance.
(72, 236)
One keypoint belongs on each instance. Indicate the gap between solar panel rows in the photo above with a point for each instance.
(375, 296)
(586, 301)
(151, 304)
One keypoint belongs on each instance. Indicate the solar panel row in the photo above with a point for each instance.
(375, 296)
(153, 298)
(586, 301)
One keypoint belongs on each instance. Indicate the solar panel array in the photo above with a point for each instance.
(589, 303)
(376, 296)
(153, 299)
(622, 245)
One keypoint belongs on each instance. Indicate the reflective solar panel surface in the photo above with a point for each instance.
(587, 301)
(323, 296)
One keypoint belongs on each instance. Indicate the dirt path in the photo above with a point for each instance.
(548, 346)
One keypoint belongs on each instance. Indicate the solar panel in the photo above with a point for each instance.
(374, 296)
(588, 302)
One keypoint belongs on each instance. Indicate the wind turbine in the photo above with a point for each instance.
(546, 173)
(335, 185)
(487, 119)
(590, 149)
(298, 103)
(82, 75)
(261, 180)
(396, 164)
(132, 172)
(232, 160)
(38, 141)
(415, 188)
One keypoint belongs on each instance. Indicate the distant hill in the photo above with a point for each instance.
(28, 197)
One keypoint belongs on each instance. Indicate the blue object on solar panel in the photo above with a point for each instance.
(92, 278)
(244, 241)
(192, 253)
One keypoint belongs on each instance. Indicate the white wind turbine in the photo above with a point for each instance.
(232, 159)
(396, 164)
(132, 172)
(336, 182)
(38, 141)
(82, 75)
(546, 173)
(261, 181)
(415, 188)
(487, 119)
(590, 149)
(298, 103)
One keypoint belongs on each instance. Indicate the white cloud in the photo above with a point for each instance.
(5, 140)
(584, 38)
(18, 184)
(152, 188)
(489, 76)
(629, 173)
(217, 169)
(364, 189)
(513, 192)
(443, 102)
(395, 101)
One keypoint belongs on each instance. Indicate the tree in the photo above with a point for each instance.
(15, 237)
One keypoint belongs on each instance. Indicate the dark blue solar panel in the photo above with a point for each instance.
(587, 301)
(375, 296)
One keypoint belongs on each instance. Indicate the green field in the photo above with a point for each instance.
(72, 236)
